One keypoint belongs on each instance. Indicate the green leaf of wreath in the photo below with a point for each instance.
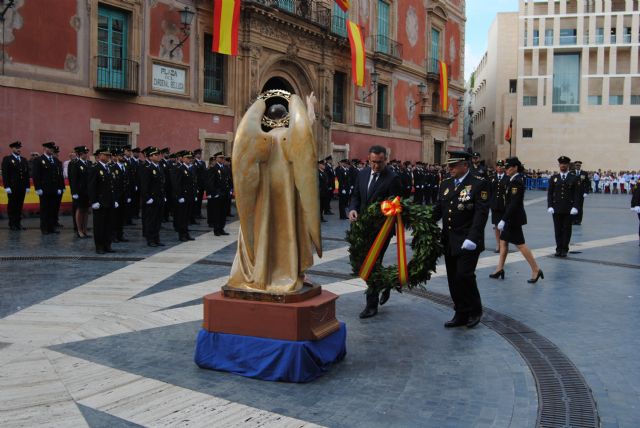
(426, 245)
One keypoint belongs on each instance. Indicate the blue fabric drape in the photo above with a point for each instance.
(270, 359)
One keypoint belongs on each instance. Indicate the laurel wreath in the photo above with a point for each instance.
(426, 246)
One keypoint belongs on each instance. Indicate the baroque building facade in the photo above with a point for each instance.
(113, 72)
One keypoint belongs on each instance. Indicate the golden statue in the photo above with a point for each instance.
(275, 178)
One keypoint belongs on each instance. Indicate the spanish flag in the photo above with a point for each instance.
(344, 4)
(226, 23)
(509, 133)
(444, 86)
(357, 52)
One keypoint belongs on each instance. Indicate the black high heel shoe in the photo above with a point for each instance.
(534, 280)
(496, 275)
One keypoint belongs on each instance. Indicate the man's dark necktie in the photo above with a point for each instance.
(372, 184)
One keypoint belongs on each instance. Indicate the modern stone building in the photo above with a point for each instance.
(578, 84)
(114, 72)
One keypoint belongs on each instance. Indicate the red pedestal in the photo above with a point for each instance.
(311, 319)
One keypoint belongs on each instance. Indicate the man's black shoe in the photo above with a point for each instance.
(563, 254)
(190, 238)
(152, 244)
(222, 232)
(456, 321)
(183, 239)
(100, 252)
(216, 233)
(474, 320)
(384, 296)
(558, 254)
(159, 244)
(369, 312)
(109, 250)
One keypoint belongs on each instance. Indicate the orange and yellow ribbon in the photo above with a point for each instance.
(393, 211)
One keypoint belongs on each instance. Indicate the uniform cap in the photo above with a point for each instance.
(166, 150)
(500, 163)
(564, 159)
(102, 151)
(580, 162)
(218, 154)
(81, 149)
(456, 156)
(513, 161)
(328, 158)
(151, 150)
(50, 145)
(136, 150)
(118, 151)
(16, 145)
(126, 147)
(196, 151)
(187, 154)
(476, 154)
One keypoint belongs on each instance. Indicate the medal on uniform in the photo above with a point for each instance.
(555, 180)
(81, 168)
(154, 172)
(484, 195)
(13, 161)
(101, 173)
(446, 191)
(185, 172)
(514, 191)
(460, 207)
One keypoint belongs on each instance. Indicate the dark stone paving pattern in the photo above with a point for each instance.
(398, 372)
(98, 419)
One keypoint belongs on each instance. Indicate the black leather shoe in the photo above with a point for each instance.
(100, 252)
(159, 244)
(474, 320)
(222, 232)
(183, 239)
(563, 254)
(109, 250)
(558, 254)
(384, 296)
(216, 233)
(369, 312)
(191, 238)
(456, 321)
(152, 244)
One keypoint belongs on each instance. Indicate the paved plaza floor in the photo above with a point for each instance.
(108, 340)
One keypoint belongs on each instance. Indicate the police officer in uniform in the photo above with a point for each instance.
(201, 174)
(49, 184)
(166, 165)
(331, 175)
(497, 193)
(79, 169)
(477, 166)
(563, 198)
(134, 177)
(122, 195)
(406, 177)
(344, 187)
(322, 189)
(419, 180)
(584, 186)
(15, 177)
(218, 189)
(152, 192)
(463, 207)
(185, 194)
(102, 201)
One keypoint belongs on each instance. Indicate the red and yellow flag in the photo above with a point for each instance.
(507, 135)
(444, 86)
(344, 4)
(393, 211)
(226, 25)
(357, 52)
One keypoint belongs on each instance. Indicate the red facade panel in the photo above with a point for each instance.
(411, 31)
(452, 49)
(44, 39)
(406, 113)
(165, 32)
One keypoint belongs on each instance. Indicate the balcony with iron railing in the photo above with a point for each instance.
(386, 45)
(116, 74)
(306, 9)
(339, 25)
(433, 69)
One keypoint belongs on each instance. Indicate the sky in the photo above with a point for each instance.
(480, 15)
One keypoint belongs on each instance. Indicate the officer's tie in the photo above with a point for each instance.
(456, 182)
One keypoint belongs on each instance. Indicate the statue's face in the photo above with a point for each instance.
(277, 112)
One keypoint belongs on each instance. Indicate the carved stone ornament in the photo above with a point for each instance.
(71, 63)
(75, 22)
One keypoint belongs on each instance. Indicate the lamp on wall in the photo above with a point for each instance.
(422, 91)
(186, 16)
(374, 84)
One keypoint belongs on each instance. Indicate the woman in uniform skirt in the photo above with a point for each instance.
(512, 221)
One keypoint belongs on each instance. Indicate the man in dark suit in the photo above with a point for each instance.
(152, 193)
(374, 183)
(563, 199)
(78, 171)
(497, 195)
(584, 187)
(218, 189)
(15, 178)
(185, 194)
(49, 184)
(102, 200)
(463, 206)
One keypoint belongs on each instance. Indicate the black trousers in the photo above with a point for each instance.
(182, 215)
(152, 220)
(102, 228)
(134, 208)
(577, 219)
(57, 209)
(562, 227)
(461, 277)
(343, 201)
(14, 207)
(118, 219)
(217, 213)
(48, 214)
(325, 202)
(418, 197)
(197, 209)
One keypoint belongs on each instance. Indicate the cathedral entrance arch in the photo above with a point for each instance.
(289, 76)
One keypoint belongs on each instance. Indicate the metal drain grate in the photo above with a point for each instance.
(564, 397)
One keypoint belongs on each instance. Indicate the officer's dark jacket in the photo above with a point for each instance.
(563, 195)
(463, 210)
(514, 213)
(101, 186)
(47, 175)
(121, 185)
(344, 183)
(15, 173)
(152, 183)
(497, 192)
(388, 185)
(635, 199)
(79, 177)
(584, 184)
(184, 183)
(218, 181)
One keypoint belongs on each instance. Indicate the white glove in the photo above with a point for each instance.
(165, 199)
(469, 245)
(128, 200)
(39, 192)
(501, 225)
(574, 211)
(27, 190)
(136, 188)
(115, 204)
(216, 196)
(96, 206)
(344, 192)
(195, 199)
(8, 189)
(584, 195)
(59, 192)
(551, 210)
(208, 197)
(636, 209)
(149, 201)
(181, 201)
(75, 196)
